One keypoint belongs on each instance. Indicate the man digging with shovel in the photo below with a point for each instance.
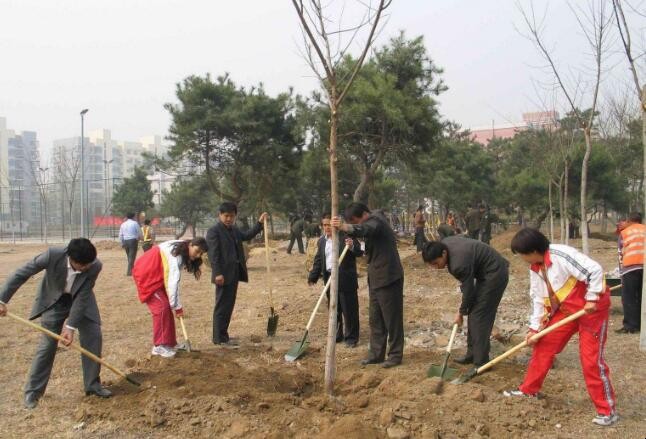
(66, 304)
(562, 282)
(483, 274)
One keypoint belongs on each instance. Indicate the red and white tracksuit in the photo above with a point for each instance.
(157, 275)
(575, 279)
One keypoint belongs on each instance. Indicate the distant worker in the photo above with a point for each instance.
(473, 223)
(631, 252)
(129, 236)
(148, 236)
(296, 234)
(420, 223)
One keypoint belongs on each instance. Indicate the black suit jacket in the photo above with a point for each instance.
(384, 266)
(52, 287)
(226, 253)
(347, 269)
(472, 261)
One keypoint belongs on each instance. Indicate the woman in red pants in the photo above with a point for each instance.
(157, 274)
(563, 281)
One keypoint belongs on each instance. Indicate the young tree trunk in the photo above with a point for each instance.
(604, 218)
(561, 219)
(584, 191)
(549, 196)
(642, 335)
(330, 352)
(565, 203)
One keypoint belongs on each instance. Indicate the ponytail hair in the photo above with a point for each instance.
(180, 248)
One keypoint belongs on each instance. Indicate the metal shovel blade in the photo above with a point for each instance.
(297, 349)
(272, 323)
(436, 371)
(466, 376)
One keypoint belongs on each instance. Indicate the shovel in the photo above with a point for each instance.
(187, 342)
(76, 347)
(442, 371)
(272, 321)
(478, 370)
(300, 346)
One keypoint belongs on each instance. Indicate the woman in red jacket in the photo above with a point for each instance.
(157, 274)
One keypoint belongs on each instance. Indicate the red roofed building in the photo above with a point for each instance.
(535, 120)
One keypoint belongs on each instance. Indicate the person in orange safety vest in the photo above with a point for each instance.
(631, 253)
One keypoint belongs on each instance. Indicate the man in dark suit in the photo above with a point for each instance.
(385, 282)
(348, 303)
(228, 266)
(483, 274)
(65, 302)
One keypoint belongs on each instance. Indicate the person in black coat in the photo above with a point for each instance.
(228, 266)
(483, 274)
(385, 282)
(348, 303)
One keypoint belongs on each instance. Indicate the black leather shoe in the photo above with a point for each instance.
(367, 361)
(467, 359)
(625, 330)
(31, 400)
(390, 363)
(351, 344)
(101, 393)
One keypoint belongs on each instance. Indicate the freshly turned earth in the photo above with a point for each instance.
(252, 392)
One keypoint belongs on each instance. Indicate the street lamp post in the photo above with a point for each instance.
(106, 176)
(83, 207)
(43, 201)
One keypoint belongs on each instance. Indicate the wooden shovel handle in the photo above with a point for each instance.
(267, 258)
(181, 322)
(535, 337)
(325, 288)
(452, 338)
(76, 347)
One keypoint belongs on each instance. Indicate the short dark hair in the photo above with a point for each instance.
(147, 222)
(130, 215)
(228, 207)
(326, 215)
(420, 207)
(635, 217)
(528, 241)
(433, 250)
(355, 210)
(81, 250)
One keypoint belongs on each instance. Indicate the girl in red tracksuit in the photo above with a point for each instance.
(563, 281)
(157, 274)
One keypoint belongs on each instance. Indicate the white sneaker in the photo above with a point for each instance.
(163, 351)
(606, 420)
(517, 392)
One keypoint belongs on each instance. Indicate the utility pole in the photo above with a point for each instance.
(83, 206)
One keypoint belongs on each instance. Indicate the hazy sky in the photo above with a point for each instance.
(122, 58)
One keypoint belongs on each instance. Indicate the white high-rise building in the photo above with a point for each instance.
(19, 165)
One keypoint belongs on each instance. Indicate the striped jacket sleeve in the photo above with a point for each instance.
(584, 269)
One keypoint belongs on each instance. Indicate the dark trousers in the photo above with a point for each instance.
(89, 336)
(295, 237)
(482, 316)
(420, 238)
(225, 300)
(631, 298)
(347, 313)
(386, 318)
(130, 245)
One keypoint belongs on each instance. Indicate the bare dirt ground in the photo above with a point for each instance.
(252, 392)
